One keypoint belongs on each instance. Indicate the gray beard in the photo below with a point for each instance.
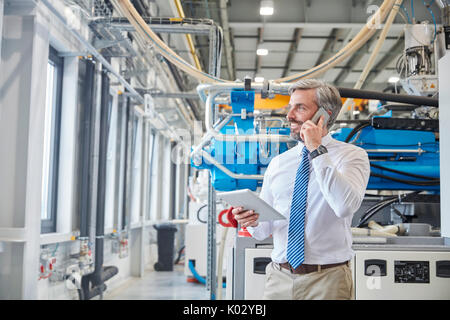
(296, 136)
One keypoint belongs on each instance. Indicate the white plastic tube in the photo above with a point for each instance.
(375, 51)
(366, 32)
(370, 232)
(393, 229)
(141, 27)
(361, 38)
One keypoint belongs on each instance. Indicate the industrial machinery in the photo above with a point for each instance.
(402, 141)
(238, 147)
(417, 65)
(242, 144)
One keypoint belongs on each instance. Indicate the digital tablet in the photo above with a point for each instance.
(250, 201)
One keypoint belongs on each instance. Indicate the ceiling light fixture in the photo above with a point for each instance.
(262, 51)
(393, 79)
(266, 8)
(259, 79)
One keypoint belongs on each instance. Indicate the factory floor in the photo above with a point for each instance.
(160, 285)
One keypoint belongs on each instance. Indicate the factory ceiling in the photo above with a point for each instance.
(300, 35)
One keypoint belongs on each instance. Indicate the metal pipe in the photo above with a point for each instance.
(245, 137)
(97, 279)
(87, 98)
(419, 151)
(93, 186)
(172, 24)
(94, 52)
(442, 4)
(208, 136)
(282, 88)
(175, 28)
(228, 172)
(403, 98)
(188, 37)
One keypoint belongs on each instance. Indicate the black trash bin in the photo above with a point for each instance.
(166, 243)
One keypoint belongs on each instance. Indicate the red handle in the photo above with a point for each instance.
(231, 221)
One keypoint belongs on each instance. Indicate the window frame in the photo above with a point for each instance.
(49, 225)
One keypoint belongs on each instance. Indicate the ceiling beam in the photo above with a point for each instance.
(243, 69)
(292, 50)
(354, 60)
(303, 37)
(395, 50)
(258, 61)
(308, 25)
(326, 48)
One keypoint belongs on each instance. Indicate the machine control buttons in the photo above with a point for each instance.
(412, 271)
(260, 263)
(375, 267)
(443, 268)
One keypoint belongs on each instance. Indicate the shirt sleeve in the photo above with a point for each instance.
(264, 228)
(343, 186)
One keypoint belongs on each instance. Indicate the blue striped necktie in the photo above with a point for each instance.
(296, 244)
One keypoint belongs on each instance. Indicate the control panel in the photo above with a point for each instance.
(401, 274)
(412, 271)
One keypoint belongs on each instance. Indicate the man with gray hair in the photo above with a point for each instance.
(318, 185)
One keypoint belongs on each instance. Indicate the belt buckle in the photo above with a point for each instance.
(292, 270)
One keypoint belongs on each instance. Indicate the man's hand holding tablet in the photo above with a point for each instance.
(246, 218)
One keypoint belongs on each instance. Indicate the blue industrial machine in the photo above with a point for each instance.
(242, 157)
(404, 153)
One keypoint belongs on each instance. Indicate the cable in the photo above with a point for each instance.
(372, 211)
(179, 255)
(401, 215)
(412, 11)
(356, 129)
(406, 12)
(383, 204)
(418, 176)
(198, 214)
(197, 276)
(410, 182)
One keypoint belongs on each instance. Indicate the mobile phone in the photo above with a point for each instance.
(318, 114)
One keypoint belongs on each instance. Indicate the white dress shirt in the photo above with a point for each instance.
(337, 183)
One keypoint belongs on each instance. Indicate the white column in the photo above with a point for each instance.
(444, 135)
(22, 110)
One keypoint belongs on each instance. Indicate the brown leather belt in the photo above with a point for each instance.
(308, 268)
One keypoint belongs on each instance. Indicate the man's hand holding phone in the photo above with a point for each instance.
(312, 134)
(246, 218)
